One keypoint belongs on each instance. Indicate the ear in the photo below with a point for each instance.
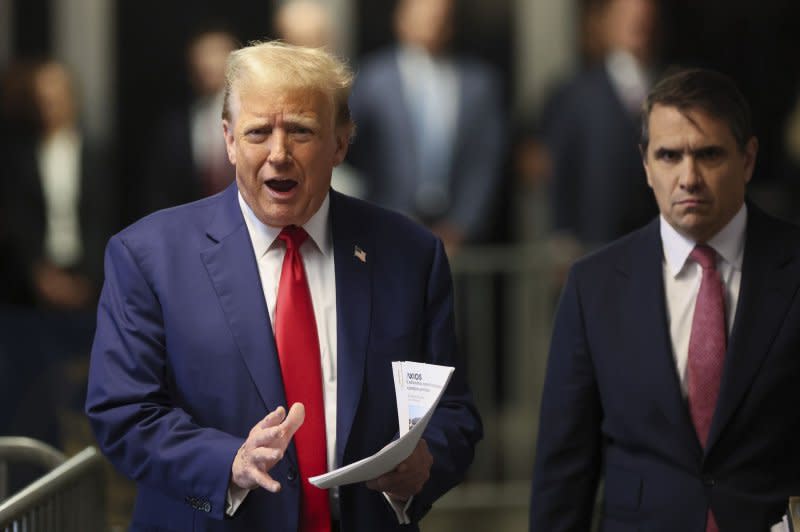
(643, 153)
(750, 153)
(343, 134)
(230, 141)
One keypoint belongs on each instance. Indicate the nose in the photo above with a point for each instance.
(278, 148)
(690, 179)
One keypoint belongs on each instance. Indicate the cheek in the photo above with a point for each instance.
(251, 158)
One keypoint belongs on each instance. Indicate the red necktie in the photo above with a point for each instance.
(707, 345)
(298, 350)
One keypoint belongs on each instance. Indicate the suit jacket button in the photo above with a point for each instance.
(292, 474)
(206, 507)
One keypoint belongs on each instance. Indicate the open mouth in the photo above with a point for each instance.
(281, 185)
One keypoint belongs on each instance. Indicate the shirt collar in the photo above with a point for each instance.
(728, 243)
(264, 236)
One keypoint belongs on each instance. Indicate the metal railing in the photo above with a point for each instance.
(69, 498)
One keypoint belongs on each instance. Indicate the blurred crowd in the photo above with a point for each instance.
(436, 140)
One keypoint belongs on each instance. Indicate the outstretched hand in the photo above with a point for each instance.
(265, 447)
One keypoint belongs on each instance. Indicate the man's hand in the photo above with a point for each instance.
(407, 479)
(264, 447)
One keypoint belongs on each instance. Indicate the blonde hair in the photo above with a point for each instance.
(292, 68)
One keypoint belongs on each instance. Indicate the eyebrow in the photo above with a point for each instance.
(702, 150)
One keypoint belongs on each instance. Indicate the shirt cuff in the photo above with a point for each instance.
(400, 508)
(234, 498)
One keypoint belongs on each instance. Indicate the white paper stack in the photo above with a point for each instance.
(418, 388)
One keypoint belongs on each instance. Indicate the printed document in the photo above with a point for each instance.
(418, 388)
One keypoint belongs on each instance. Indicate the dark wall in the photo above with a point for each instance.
(757, 44)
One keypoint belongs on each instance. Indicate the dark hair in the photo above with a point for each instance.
(704, 89)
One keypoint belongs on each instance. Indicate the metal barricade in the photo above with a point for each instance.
(69, 498)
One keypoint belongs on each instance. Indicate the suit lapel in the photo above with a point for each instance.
(768, 284)
(353, 304)
(233, 271)
(645, 318)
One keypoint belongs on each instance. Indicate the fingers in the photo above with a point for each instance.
(265, 447)
(261, 461)
(273, 418)
(252, 476)
(403, 484)
(271, 433)
(297, 414)
(409, 477)
(250, 467)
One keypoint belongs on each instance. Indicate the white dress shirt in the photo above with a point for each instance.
(433, 93)
(208, 142)
(317, 253)
(59, 162)
(682, 278)
(631, 81)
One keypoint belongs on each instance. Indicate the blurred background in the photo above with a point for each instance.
(509, 127)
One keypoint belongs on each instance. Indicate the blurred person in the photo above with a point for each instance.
(58, 204)
(59, 198)
(305, 23)
(245, 341)
(187, 159)
(431, 127)
(598, 189)
(674, 363)
(309, 23)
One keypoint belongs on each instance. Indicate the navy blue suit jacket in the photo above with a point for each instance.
(184, 362)
(613, 406)
(384, 149)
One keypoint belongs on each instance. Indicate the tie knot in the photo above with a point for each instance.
(705, 256)
(293, 236)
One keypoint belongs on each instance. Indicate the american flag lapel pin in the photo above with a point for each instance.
(360, 254)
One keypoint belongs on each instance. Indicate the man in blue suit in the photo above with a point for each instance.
(187, 387)
(674, 359)
(431, 127)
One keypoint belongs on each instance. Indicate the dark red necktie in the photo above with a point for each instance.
(707, 345)
(298, 350)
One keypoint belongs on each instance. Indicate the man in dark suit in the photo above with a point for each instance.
(58, 200)
(431, 127)
(203, 330)
(674, 360)
(598, 190)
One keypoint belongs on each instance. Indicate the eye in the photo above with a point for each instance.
(709, 154)
(669, 156)
(300, 131)
(258, 133)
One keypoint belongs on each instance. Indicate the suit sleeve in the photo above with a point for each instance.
(568, 454)
(455, 427)
(131, 404)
